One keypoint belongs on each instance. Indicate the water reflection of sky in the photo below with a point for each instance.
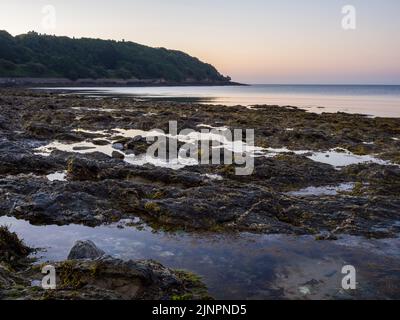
(371, 100)
(236, 266)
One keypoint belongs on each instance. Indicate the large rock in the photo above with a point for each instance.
(85, 250)
(81, 169)
(12, 249)
(99, 279)
(109, 278)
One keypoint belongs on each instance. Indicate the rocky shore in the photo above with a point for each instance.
(86, 144)
(91, 274)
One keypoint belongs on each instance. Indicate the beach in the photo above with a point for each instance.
(327, 183)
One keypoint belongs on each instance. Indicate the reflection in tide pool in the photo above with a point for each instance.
(330, 190)
(337, 157)
(57, 176)
(243, 266)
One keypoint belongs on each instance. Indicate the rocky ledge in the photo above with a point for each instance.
(43, 133)
(90, 274)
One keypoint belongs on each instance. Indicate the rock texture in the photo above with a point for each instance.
(101, 189)
(89, 274)
(85, 250)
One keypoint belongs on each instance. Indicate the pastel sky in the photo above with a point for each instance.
(253, 41)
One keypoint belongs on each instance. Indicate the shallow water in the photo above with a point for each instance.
(243, 266)
(369, 100)
(331, 190)
(342, 157)
(336, 157)
(57, 176)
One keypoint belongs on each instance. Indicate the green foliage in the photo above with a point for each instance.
(36, 55)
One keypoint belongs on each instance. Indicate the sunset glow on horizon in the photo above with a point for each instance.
(257, 41)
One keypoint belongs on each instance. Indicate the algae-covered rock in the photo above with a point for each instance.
(89, 274)
(85, 250)
(12, 249)
(127, 280)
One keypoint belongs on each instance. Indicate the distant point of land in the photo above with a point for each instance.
(34, 58)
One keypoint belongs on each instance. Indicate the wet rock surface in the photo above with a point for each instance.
(89, 274)
(13, 251)
(85, 250)
(103, 188)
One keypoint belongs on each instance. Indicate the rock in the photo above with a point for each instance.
(100, 142)
(81, 169)
(118, 146)
(25, 163)
(95, 118)
(138, 145)
(101, 186)
(12, 249)
(67, 136)
(109, 278)
(83, 148)
(3, 123)
(90, 275)
(40, 130)
(325, 236)
(288, 171)
(117, 155)
(85, 250)
(137, 138)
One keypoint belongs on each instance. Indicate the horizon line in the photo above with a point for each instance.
(321, 84)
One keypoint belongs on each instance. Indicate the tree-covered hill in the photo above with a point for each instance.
(44, 56)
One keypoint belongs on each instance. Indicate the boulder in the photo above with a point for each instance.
(85, 250)
(80, 169)
(118, 155)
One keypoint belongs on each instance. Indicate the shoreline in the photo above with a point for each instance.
(74, 160)
(380, 104)
(61, 82)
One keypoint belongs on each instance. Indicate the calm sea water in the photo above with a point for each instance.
(376, 100)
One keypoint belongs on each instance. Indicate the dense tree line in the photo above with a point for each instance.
(36, 55)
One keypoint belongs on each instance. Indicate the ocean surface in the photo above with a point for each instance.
(373, 100)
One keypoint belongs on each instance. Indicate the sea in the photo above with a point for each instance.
(371, 100)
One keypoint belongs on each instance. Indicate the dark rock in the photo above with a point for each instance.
(287, 172)
(89, 274)
(117, 155)
(12, 249)
(81, 169)
(85, 250)
(95, 118)
(109, 278)
(118, 146)
(67, 136)
(99, 142)
(138, 145)
(82, 148)
(101, 186)
(40, 130)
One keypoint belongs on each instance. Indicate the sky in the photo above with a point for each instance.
(253, 41)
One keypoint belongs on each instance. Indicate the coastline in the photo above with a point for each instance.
(63, 82)
(322, 176)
